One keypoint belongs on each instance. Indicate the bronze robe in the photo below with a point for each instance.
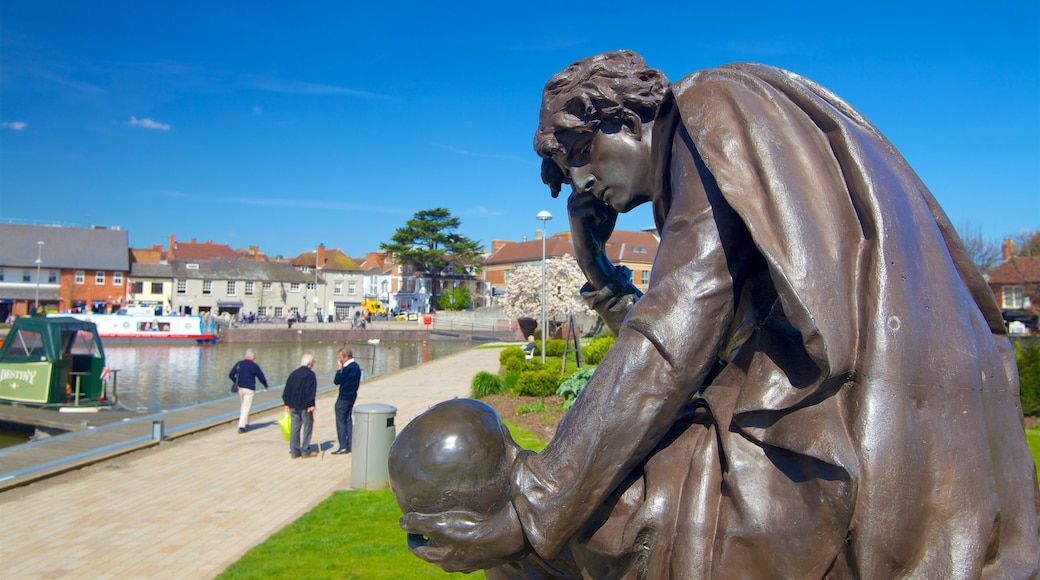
(818, 381)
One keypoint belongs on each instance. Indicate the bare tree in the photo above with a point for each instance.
(985, 254)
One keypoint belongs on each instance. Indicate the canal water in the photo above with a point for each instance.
(155, 378)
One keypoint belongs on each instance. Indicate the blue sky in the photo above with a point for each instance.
(285, 125)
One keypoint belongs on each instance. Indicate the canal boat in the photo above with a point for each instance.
(53, 361)
(150, 328)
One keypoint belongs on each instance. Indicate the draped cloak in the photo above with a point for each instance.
(817, 383)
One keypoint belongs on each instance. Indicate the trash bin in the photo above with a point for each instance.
(374, 433)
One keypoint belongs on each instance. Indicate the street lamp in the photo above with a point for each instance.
(544, 216)
(39, 260)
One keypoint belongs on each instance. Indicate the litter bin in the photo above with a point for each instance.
(374, 433)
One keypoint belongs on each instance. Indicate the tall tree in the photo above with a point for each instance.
(429, 244)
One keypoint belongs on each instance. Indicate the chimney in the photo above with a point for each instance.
(319, 258)
(538, 234)
(173, 242)
(1009, 249)
(497, 245)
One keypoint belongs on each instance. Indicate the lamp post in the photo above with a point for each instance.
(39, 261)
(544, 216)
(315, 285)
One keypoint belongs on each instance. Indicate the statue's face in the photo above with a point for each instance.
(613, 164)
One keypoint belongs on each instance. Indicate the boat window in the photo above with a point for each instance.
(82, 343)
(27, 343)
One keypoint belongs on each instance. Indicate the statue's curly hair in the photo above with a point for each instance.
(578, 98)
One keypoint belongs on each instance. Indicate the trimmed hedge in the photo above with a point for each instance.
(597, 349)
(538, 383)
(1027, 355)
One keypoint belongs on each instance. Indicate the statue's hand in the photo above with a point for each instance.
(466, 541)
(592, 222)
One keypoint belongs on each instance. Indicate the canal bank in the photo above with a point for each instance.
(191, 506)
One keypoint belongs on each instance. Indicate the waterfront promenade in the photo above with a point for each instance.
(190, 507)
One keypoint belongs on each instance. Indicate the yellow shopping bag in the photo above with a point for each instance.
(286, 423)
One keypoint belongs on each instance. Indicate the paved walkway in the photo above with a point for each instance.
(192, 506)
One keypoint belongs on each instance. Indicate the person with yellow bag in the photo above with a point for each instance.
(299, 393)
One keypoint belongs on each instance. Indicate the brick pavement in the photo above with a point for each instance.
(192, 506)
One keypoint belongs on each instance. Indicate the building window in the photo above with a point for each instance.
(352, 289)
(509, 275)
(294, 312)
(646, 277)
(52, 277)
(337, 288)
(310, 285)
(267, 286)
(80, 276)
(232, 287)
(182, 286)
(207, 287)
(117, 278)
(136, 287)
(261, 311)
(294, 287)
(249, 288)
(26, 275)
(1, 274)
(1013, 297)
(278, 312)
(157, 287)
(99, 278)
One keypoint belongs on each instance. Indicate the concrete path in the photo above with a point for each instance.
(192, 506)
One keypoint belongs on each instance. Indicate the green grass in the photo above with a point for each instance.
(1033, 438)
(352, 534)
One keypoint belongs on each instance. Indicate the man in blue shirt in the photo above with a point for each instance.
(245, 374)
(348, 377)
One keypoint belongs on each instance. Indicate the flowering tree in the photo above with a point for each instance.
(562, 287)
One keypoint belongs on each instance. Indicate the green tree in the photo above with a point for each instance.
(429, 244)
(455, 299)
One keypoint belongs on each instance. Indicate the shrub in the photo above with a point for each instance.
(597, 349)
(512, 358)
(554, 347)
(572, 386)
(1027, 355)
(540, 383)
(485, 384)
(509, 381)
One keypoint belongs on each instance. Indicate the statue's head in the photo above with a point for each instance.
(456, 456)
(613, 88)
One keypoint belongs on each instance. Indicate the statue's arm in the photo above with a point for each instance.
(664, 351)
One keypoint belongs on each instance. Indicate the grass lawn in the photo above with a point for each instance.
(352, 534)
(1033, 437)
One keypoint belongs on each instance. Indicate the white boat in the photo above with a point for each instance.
(139, 326)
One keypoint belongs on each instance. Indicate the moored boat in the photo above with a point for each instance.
(150, 327)
(53, 361)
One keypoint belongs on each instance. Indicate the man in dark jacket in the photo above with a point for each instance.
(245, 374)
(298, 396)
(348, 377)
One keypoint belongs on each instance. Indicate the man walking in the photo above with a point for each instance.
(298, 396)
(348, 377)
(245, 374)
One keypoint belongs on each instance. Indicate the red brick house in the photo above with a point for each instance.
(1016, 286)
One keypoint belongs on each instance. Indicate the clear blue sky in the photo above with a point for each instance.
(285, 125)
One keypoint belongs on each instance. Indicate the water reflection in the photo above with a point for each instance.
(155, 378)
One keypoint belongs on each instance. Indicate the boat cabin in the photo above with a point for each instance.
(52, 361)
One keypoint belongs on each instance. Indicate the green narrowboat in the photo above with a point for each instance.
(52, 362)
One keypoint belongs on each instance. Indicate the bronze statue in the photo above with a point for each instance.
(818, 382)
